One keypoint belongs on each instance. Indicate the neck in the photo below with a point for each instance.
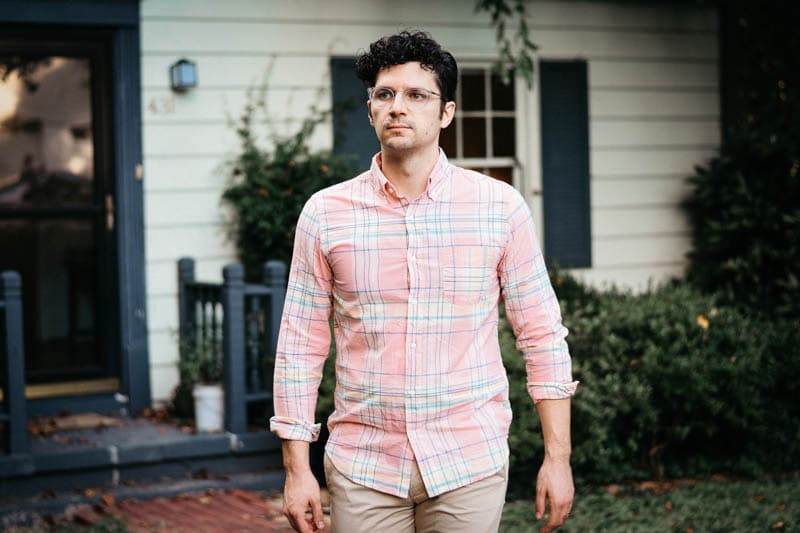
(409, 173)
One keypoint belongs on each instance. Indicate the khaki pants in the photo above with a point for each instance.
(474, 508)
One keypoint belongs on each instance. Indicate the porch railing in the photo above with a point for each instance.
(13, 416)
(237, 322)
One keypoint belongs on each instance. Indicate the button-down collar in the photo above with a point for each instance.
(436, 178)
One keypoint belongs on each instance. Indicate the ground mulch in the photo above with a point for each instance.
(209, 511)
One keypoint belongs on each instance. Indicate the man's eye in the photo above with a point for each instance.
(384, 95)
(417, 96)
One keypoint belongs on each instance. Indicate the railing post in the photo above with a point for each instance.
(14, 386)
(233, 339)
(185, 305)
(275, 279)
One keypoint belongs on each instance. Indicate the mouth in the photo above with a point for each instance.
(397, 127)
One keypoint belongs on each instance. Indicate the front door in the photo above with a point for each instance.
(57, 220)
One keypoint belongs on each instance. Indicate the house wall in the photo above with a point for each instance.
(653, 97)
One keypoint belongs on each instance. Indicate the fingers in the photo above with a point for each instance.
(541, 496)
(316, 514)
(299, 519)
(559, 511)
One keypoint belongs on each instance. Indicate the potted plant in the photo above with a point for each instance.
(200, 369)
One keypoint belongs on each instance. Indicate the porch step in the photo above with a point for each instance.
(137, 451)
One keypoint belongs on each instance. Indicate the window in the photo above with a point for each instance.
(482, 135)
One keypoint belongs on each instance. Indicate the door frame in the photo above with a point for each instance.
(121, 18)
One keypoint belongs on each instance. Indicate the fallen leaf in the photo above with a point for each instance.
(781, 507)
(108, 499)
(777, 525)
(759, 498)
(702, 321)
(614, 490)
(668, 505)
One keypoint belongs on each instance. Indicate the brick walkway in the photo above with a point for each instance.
(230, 510)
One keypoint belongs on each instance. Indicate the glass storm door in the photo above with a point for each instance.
(57, 206)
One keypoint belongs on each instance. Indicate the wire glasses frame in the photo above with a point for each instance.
(414, 98)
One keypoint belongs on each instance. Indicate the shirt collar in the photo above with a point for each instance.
(436, 179)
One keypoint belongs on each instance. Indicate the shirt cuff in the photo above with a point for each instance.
(546, 390)
(293, 429)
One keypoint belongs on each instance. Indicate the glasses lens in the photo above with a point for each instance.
(413, 98)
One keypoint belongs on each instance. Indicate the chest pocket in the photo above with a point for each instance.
(468, 274)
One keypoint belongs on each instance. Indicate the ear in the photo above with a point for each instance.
(369, 113)
(448, 114)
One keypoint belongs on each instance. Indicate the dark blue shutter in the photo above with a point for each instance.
(565, 163)
(353, 134)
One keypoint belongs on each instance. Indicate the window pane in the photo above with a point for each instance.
(474, 137)
(59, 273)
(447, 140)
(502, 94)
(503, 137)
(502, 174)
(473, 95)
(46, 147)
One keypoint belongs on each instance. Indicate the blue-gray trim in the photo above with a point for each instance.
(353, 134)
(233, 346)
(565, 163)
(73, 12)
(14, 409)
(122, 17)
(130, 218)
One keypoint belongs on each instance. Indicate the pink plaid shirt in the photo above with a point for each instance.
(414, 289)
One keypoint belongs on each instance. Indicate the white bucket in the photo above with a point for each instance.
(208, 407)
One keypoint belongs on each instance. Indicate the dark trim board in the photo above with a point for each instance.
(74, 12)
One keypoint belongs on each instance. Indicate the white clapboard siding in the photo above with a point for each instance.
(624, 221)
(425, 12)
(188, 37)
(167, 341)
(162, 106)
(163, 312)
(636, 278)
(194, 240)
(241, 71)
(624, 74)
(638, 162)
(185, 173)
(642, 251)
(163, 379)
(214, 138)
(605, 133)
(171, 208)
(639, 191)
(659, 104)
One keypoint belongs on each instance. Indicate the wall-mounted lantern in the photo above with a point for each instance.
(182, 75)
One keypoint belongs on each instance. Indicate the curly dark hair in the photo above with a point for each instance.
(406, 47)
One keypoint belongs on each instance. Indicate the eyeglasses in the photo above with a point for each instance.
(414, 99)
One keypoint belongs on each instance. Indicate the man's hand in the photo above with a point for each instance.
(554, 483)
(301, 490)
(300, 493)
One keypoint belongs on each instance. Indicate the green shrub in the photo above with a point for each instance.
(268, 187)
(673, 384)
(745, 211)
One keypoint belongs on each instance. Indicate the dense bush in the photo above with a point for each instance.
(673, 384)
(745, 216)
(269, 186)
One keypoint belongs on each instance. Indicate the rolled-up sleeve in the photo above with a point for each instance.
(533, 310)
(304, 338)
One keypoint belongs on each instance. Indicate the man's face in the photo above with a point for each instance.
(400, 128)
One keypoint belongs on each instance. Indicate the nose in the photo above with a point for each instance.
(398, 103)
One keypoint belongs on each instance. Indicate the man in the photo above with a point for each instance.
(410, 259)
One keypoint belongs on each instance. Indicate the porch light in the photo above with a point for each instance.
(182, 75)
